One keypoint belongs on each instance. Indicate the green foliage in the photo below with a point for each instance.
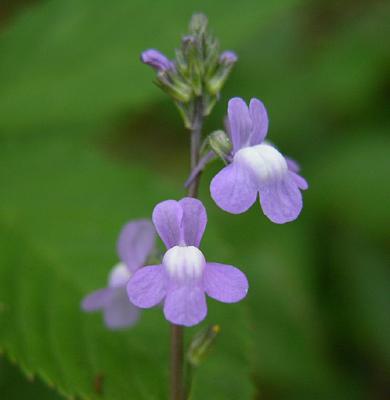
(315, 324)
(14, 386)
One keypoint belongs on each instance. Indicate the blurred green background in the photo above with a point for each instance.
(87, 142)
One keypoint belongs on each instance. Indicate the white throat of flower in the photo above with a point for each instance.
(263, 162)
(119, 276)
(184, 263)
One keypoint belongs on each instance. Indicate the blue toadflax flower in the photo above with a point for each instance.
(184, 277)
(135, 243)
(256, 168)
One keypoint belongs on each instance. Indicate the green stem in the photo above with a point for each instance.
(196, 135)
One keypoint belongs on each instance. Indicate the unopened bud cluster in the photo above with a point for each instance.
(198, 72)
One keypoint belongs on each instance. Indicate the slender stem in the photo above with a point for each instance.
(177, 382)
(196, 133)
(176, 362)
(200, 167)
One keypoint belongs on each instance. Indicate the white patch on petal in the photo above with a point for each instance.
(263, 162)
(119, 276)
(184, 262)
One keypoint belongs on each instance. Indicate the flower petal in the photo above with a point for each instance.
(185, 305)
(135, 243)
(259, 117)
(194, 221)
(225, 282)
(119, 276)
(292, 165)
(167, 218)
(300, 181)
(281, 201)
(233, 190)
(240, 124)
(97, 299)
(147, 287)
(294, 168)
(120, 313)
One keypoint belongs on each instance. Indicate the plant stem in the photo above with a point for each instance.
(177, 382)
(196, 134)
(176, 362)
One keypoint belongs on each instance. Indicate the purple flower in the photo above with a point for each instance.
(228, 57)
(156, 60)
(184, 276)
(135, 243)
(257, 167)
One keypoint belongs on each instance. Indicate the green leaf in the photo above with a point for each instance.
(64, 204)
(14, 386)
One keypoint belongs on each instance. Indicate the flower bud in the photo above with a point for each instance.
(198, 71)
(212, 55)
(228, 58)
(181, 63)
(225, 64)
(198, 24)
(188, 40)
(176, 88)
(156, 60)
(201, 345)
(220, 143)
(191, 50)
(215, 84)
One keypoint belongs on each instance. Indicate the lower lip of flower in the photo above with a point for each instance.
(263, 161)
(184, 263)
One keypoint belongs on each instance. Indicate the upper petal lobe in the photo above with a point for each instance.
(259, 118)
(167, 218)
(240, 124)
(135, 243)
(194, 221)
